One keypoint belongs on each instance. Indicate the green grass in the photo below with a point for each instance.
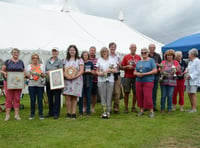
(176, 130)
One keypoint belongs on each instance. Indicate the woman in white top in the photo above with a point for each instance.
(36, 73)
(105, 69)
(192, 78)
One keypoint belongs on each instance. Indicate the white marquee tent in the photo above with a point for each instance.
(36, 30)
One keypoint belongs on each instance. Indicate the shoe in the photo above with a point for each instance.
(174, 108)
(31, 118)
(17, 117)
(68, 116)
(108, 113)
(151, 115)
(126, 110)
(7, 118)
(162, 111)
(80, 114)
(74, 116)
(181, 108)
(140, 114)
(41, 118)
(192, 111)
(116, 111)
(169, 112)
(49, 115)
(134, 110)
(55, 117)
(155, 109)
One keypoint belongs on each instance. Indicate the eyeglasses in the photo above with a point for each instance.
(143, 52)
(35, 58)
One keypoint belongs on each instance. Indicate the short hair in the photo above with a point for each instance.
(35, 54)
(103, 49)
(84, 53)
(169, 52)
(178, 53)
(111, 44)
(144, 48)
(15, 49)
(193, 52)
(92, 47)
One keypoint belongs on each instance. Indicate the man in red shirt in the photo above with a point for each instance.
(128, 65)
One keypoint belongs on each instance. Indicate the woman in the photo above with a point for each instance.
(87, 83)
(12, 95)
(180, 87)
(73, 84)
(36, 73)
(169, 70)
(53, 95)
(105, 69)
(144, 72)
(192, 78)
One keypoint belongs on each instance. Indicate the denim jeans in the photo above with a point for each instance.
(155, 88)
(87, 94)
(166, 91)
(53, 100)
(35, 91)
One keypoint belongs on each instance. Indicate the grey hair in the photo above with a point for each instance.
(193, 52)
(178, 53)
(15, 49)
(144, 48)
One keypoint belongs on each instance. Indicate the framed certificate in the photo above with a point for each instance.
(70, 71)
(56, 79)
(15, 80)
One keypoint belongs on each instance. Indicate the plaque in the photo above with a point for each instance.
(70, 71)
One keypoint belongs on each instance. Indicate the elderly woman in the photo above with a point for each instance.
(192, 78)
(53, 95)
(36, 72)
(12, 95)
(180, 87)
(73, 83)
(170, 68)
(105, 69)
(144, 72)
(87, 83)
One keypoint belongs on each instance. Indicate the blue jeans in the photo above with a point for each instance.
(35, 91)
(166, 91)
(87, 94)
(155, 88)
(53, 100)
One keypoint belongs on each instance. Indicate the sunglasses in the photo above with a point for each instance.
(143, 52)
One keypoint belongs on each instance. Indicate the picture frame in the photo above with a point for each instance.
(56, 79)
(15, 80)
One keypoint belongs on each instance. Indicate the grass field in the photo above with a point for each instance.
(175, 130)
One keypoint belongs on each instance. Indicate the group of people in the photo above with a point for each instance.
(102, 76)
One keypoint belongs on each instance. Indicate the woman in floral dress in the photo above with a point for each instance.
(73, 84)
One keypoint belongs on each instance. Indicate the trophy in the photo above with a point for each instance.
(87, 68)
(140, 69)
(163, 73)
(104, 115)
(174, 71)
(131, 63)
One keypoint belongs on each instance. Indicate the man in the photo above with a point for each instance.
(117, 78)
(53, 95)
(157, 59)
(128, 65)
(93, 59)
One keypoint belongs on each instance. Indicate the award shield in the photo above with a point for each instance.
(70, 71)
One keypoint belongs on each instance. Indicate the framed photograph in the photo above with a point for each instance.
(56, 79)
(70, 71)
(15, 80)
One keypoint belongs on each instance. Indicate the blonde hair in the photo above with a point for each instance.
(169, 52)
(104, 49)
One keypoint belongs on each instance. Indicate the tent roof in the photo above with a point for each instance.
(184, 44)
(31, 28)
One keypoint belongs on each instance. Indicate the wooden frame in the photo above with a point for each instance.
(70, 71)
(15, 80)
(56, 79)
